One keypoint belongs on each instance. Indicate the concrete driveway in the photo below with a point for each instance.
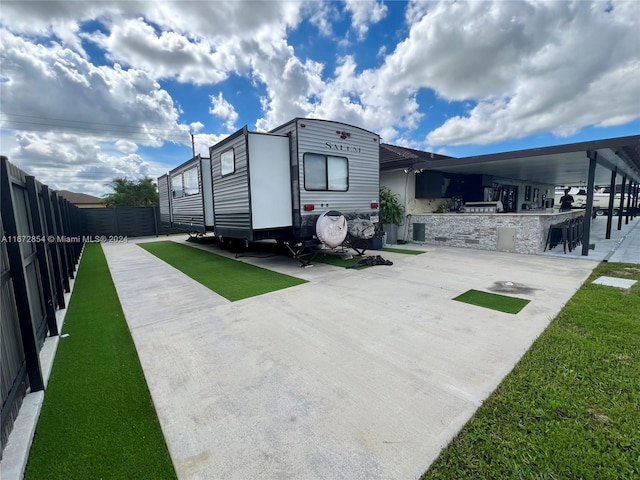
(356, 374)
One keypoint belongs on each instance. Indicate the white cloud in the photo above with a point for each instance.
(204, 140)
(68, 113)
(416, 9)
(360, 100)
(217, 21)
(165, 54)
(110, 102)
(195, 42)
(126, 146)
(364, 13)
(321, 15)
(291, 84)
(195, 127)
(223, 110)
(530, 67)
(46, 18)
(77, 163)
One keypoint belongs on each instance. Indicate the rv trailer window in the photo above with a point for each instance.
(315, 175)
(324, 172)
(227, 162)
(190, 178)
(176, 186)
(338, 173)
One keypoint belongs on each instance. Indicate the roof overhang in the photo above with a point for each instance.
(556, 165)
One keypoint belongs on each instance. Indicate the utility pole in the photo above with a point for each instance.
(193, 146)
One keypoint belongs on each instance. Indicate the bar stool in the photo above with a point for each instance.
(558, 232)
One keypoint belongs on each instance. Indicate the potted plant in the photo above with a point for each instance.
(391, 213)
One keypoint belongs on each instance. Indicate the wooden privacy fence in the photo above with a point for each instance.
(40, 248)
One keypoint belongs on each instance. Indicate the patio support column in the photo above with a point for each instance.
(621, 207)
(612, 195)
(593, 157)
(628, 212)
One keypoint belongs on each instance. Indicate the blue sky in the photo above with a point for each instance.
(97, 89)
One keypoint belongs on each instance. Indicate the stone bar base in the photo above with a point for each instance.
(507, 232)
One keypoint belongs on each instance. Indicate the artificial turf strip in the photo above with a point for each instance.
(493, 301)
(403, 250)
(97, 420)
(569, 409)
(230, 278)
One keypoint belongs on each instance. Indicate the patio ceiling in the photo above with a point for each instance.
(556, 165)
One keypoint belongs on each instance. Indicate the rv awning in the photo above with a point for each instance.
(556, 165)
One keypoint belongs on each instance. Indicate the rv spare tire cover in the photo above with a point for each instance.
(361, 228)
(331, 228)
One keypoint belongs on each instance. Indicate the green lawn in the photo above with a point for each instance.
(232, 279)
(569, 409)
(502, 303)
(97, 420)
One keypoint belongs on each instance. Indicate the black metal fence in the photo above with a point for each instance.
(39, 251)
(122, 221)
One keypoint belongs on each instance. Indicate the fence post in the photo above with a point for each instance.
(155, 220)
(77, 231)
(54, 251)
(61, 248)
(36, 220)
(115, 220)
(66, 231)
(27, 330)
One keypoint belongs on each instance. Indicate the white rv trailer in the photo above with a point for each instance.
(276, 185)
(186, 197)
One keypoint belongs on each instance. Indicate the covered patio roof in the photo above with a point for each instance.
(556, 165)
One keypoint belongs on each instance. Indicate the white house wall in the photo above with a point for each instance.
(404, 185)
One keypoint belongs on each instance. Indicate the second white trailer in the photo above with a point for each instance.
(186, 197)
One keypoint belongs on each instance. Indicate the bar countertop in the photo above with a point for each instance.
(529, 213)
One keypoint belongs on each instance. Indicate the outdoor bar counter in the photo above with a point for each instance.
(522, 232)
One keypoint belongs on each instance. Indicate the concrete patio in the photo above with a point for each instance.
(356, 374)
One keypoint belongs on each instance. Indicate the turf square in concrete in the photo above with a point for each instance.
(615, 282)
